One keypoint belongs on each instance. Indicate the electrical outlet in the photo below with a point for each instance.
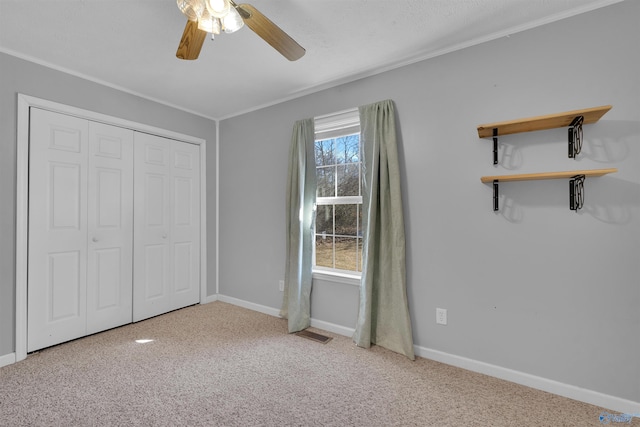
(281, 285)
(441, 316)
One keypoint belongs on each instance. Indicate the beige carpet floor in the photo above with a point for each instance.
(222, 365)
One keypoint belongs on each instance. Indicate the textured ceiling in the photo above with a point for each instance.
(131, 44)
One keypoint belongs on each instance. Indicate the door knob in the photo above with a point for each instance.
(164, 236)
(95, 239)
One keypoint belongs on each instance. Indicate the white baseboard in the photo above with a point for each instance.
(210, 298)
(320, 324)
(566, 390)
(250, 305)
(7, 359)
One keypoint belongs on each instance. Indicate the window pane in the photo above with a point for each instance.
(347, 220)
(347, 149)
(325, 155)
(348, 180)
(346, 253)
(324, 219)
(324, 251)
(325, 181)
(359, 254)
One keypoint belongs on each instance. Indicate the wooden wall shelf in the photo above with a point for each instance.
(548, 175)
(549, 121)
(573, 119)
(576, 183)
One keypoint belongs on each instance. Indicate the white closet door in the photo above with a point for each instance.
(57, 229)
(185, 224)
(110, 227)
(166, 225)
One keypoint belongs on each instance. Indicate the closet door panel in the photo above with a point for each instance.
(57, 257)
(167, 225)
(152, 240)
(186, 223)
(110, 220)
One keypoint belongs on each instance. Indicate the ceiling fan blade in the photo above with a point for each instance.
(191, 42)
(270, 32)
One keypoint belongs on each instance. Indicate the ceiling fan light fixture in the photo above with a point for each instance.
(192, 9)
(232, 22)
(217, 26)
(209, 23)
(218, 8)
(227, 16)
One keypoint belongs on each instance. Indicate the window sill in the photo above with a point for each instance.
(333, 276)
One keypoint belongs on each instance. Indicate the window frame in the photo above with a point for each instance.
(342, 123)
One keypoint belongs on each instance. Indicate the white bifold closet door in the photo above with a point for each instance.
(80, 228)
(114, 227)
(166, 225)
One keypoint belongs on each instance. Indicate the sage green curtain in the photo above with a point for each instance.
(383, 316)
(300, 216)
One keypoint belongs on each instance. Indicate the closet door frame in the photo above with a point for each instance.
(25, 102)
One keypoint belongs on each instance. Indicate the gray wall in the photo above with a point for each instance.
(535, 288)
(18, 76)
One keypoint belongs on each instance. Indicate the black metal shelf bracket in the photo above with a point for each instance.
(575, 137)
(576, 192)
(495, 146)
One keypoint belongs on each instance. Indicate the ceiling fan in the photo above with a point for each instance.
(217, 16)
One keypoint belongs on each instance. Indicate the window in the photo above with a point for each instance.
(338, 232)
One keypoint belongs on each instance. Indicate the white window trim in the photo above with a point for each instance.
(337, 276)
(341, 200)
(337, 124)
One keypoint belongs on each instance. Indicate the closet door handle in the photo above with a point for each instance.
(95, 239)
(164, 236)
